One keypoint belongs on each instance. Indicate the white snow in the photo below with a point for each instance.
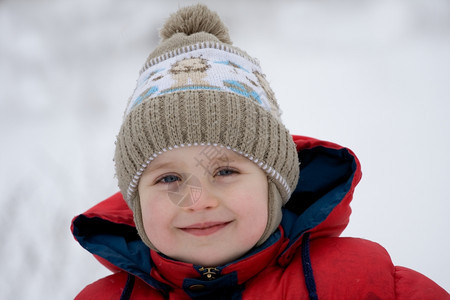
(370, 75)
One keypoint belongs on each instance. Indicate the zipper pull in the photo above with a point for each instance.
(209, 273)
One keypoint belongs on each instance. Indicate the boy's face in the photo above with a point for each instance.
(203, 205)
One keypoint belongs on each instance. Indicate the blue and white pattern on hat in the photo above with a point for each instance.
(201, 69)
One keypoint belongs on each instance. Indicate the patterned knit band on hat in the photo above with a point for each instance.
(197, 89)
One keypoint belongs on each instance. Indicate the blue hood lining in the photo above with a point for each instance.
(119, 244)
(326, 177)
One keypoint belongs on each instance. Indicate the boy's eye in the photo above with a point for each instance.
(169, 179)
(226, 172)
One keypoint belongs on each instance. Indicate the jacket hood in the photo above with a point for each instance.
(319, 205)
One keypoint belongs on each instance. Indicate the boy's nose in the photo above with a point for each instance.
(204, 197)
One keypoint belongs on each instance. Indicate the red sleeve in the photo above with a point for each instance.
(411, 285)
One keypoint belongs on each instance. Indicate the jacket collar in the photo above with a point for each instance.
(175, 273)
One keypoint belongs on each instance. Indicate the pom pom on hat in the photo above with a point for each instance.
(194, 19)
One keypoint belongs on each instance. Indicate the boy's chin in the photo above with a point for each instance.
(208, 260)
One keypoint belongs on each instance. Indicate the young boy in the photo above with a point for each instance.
(212, 205)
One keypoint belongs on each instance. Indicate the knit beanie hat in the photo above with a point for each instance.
(195, 89)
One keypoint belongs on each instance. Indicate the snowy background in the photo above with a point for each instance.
(370, 75)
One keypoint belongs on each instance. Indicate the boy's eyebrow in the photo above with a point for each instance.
(228, 157)
(223, 158)
(155, 165)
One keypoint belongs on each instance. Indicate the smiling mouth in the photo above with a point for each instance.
(203, 229)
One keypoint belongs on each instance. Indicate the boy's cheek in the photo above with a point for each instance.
(151, 195)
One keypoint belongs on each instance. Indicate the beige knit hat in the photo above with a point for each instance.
(197, 89)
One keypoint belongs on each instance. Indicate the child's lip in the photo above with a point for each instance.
(206, 228)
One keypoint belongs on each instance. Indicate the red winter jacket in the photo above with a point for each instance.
(304, 259)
